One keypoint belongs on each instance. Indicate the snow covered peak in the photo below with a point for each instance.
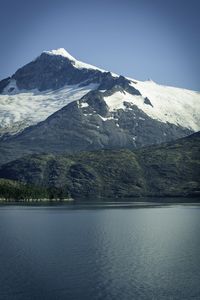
(61, 52)
(77, 64)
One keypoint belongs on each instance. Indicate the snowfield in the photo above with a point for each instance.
(168, 104)
(22, 109)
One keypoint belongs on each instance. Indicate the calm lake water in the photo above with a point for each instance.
(92, 252)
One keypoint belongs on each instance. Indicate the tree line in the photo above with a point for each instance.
(21, 192)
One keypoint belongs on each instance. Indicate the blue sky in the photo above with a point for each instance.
(141, 39)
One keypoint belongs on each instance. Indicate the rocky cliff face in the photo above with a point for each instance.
(53, 72)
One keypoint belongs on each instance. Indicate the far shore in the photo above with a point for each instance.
(55, 200)
(123, 202)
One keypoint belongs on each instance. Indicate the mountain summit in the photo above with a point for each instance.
(61, 52)
(78, 64)
(56, 103)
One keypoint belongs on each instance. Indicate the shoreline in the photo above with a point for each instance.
(101, 204)
(41, 200)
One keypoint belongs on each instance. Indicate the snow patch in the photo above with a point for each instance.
(106, 119)
(84, 104)
(116, 100)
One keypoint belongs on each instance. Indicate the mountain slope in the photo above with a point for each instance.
(88, 124)
(57, 103)
(167, 170)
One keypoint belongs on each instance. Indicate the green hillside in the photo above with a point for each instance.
(171, 169)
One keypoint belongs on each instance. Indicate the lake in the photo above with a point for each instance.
(113, 251)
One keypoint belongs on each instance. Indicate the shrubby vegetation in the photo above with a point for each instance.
(164, 170)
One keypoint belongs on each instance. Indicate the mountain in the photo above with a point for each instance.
(58, 104)
(171, 169)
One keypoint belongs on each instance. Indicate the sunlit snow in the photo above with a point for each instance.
(174, 105)
(28, 108)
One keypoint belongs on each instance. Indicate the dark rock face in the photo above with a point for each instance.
(52, 72)
(96, 103)
(4, 83)
(147, 101)
(109, 83)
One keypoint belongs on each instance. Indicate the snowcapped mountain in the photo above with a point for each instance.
(44, 86)
(57, 103)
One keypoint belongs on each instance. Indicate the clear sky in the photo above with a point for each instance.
(142, 39)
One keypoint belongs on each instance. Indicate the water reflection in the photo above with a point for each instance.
(89, 253)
